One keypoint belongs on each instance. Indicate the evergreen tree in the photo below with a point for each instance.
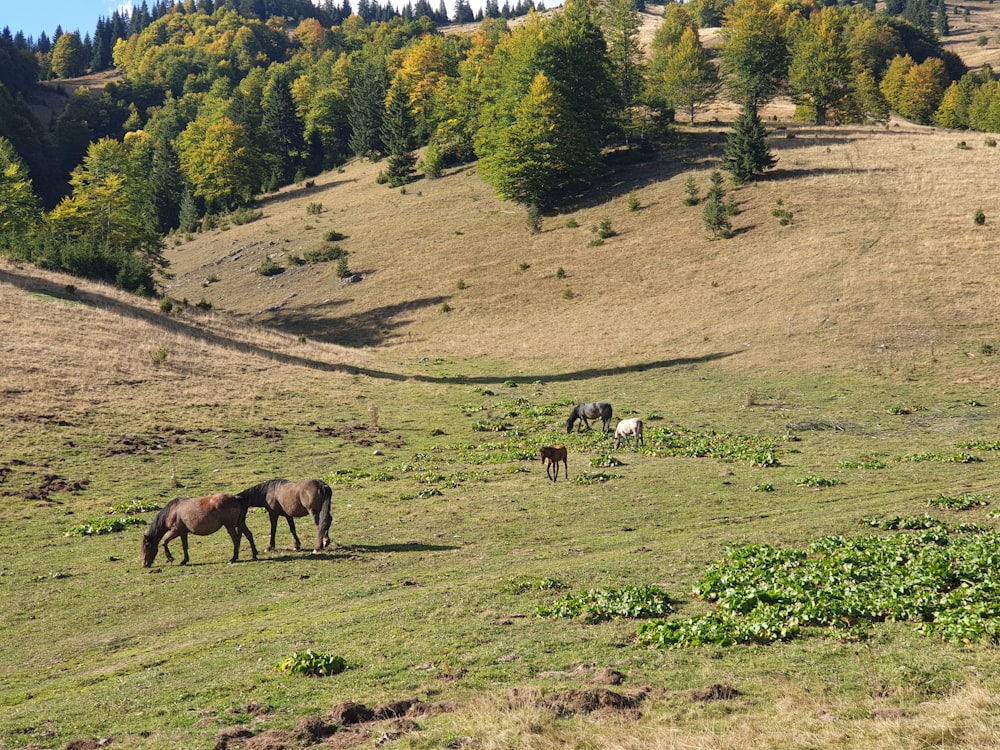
(464, 12)
(941, 26)
(746, 155)
(620, 24)
(366, 108)
(167, 185)
(397, 135)
(282, 131)
(716, 217)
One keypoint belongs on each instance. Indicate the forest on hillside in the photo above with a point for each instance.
(216, 103)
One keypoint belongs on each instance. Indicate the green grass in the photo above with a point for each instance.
(418, 586)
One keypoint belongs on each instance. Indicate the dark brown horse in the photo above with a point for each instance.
(280, 497)
(196, 515)
(551, 456)
(585, 412)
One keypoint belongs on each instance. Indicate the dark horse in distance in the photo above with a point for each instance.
(551, 455)
(196, 515)
(281, 497)
(595, 410)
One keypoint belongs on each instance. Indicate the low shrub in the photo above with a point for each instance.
(312, 664)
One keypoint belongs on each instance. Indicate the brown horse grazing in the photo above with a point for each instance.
(281, 497)
(196, 515)
(551, 456)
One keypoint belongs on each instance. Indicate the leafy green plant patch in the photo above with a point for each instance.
(312, 664)
(598, 605)
(757, 450)
(97, 526)
(947, 582)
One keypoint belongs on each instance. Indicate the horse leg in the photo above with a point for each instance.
(274, 529)
(245, 531)
(291, 528)
(235, 533)
(323, 519)
(184, 544)
(166, 550)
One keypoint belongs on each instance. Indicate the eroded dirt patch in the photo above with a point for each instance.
(53, 483)
(365, 435)
(717, 692)
(348, 725)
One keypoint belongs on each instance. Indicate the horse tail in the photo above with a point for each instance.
(325, 490)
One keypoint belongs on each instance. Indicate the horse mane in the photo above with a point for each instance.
(156, 528)
(257, 495)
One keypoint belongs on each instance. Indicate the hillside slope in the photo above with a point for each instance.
(881, 255)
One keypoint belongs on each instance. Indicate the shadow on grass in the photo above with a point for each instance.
(376, 319)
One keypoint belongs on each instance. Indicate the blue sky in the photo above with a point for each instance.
(35, 16)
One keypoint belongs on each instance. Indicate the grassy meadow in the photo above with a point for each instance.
(860, 340)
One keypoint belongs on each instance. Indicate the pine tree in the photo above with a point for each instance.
(365, 109)
(941, 26)
(620, 23)
(282, 132)
(747, 155)
(397, 135)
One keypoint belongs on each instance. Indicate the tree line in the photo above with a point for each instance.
(216, 105)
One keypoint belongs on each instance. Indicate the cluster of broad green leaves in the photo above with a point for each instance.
(312, 664)
(356, 477)
(98, 526)
(595, 477)
(961, 502)
(758, 450)
(598, 605)
(134, 507)
(945, 580)
(948, 458)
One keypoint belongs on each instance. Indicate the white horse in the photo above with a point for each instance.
(626, 429)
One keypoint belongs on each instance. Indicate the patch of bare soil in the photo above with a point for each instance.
(574, 702)
(365, 435)
(53, 483)
(717, 692)
(142, 444)
(347, 725)
(88, 744)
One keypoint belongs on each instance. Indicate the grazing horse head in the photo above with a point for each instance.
(149, 549)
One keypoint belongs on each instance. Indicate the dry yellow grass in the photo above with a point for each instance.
(882, 258)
